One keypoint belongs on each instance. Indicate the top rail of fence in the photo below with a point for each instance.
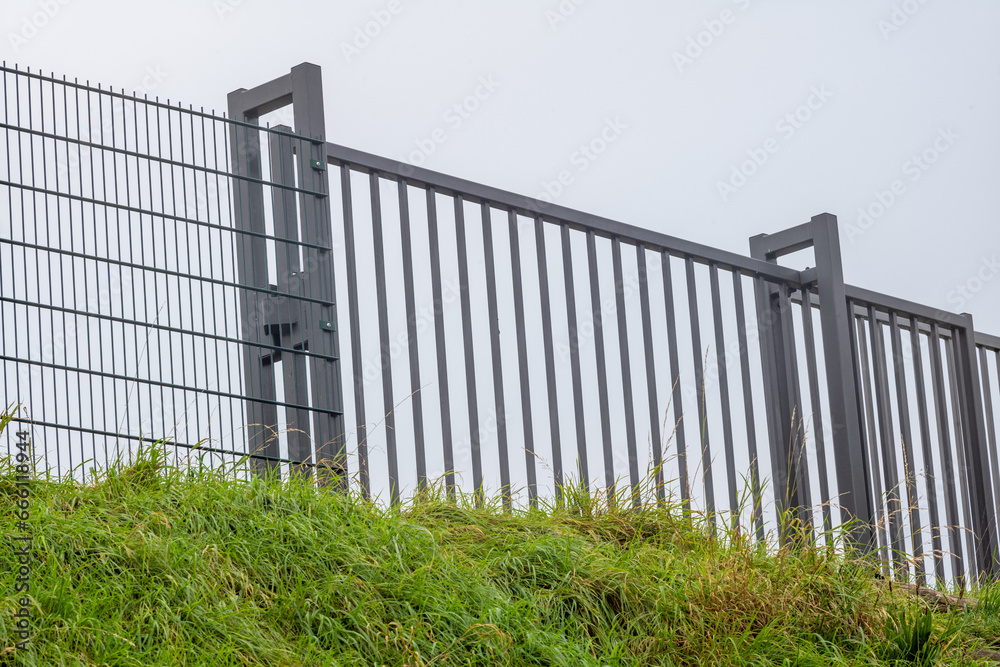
(925, 315)
(154, 102)
(536, 208)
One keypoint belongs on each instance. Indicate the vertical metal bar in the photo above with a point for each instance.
(574, 360)
(727, 418)
(232, 236)
(798, 466)
(633, 459)
(767, 321)
(550, 366)
(522, 359)
(958, 421)
(107, 174)
(411, 335)
(948, 468)
(71, 262)
(675, 377)
(927, 451)
(906, 435)
(860, 380)
(250, 319)
(86, 288)
(327, 395)
(647, 339)
(990, 426)
(360, 416)
(888, 441)
(817, 412)
(385, 356)
(211, 250)
(248, 193)
(186, 253)
(984, 519)
(494, 323)
(756, 513)
(874, 445)
(288, 267)
(470, 357)
(699, 380)
(127, 417)
(602, 374)
(442, 347)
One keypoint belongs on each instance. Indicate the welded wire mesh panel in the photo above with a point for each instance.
(120, 283)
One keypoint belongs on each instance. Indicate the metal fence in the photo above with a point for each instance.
(172, 273)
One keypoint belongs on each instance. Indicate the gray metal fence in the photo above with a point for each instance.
(172, 273)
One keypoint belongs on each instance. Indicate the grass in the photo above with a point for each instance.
(149, 565)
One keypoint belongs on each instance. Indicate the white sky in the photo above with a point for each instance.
(891, 91)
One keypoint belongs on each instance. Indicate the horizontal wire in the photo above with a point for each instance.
(167, 385)
(166, 272)
(159, 159)
(166, 216)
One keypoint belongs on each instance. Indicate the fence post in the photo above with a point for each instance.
(976, 452)
(251, 255)
(782, 397)
(835, 321)
(315, 326)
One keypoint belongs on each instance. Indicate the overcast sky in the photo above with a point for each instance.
(838, 104)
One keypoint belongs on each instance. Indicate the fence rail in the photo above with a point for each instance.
(173, 273)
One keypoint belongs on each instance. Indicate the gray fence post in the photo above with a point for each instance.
(976, 453)
(783, 404)
(251, 255)
(297, 325)
(835, 322)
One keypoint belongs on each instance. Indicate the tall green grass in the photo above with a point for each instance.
(151, 565)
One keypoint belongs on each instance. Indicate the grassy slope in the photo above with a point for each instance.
(148, 566)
